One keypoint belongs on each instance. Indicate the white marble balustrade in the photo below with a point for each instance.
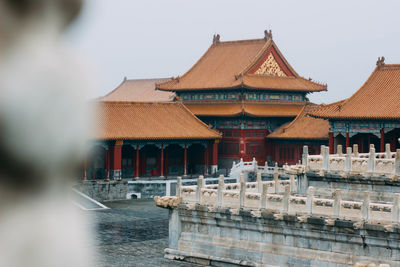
(384, 163)
(260, 195)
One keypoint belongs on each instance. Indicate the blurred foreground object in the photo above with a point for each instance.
(44, 124)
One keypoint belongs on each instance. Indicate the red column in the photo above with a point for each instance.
(331, 143)
(214, 160)
(347, 140)
(117, 159)
(162, 161)
(185, 161)
(137, 161)
(382, 140)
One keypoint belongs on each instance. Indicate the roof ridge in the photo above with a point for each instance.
(376, 69)
(314, 113)
(270, 43)
(295, 119)
(389, 66)
(123, 81)
(257, 57)
(241, 41)
(187, 72)
(205, 53)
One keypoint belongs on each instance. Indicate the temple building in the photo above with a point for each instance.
(245, 89)
(369, 116)
(149, 139)
(223, 109)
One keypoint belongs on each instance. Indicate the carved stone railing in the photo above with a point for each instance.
(252, 166)
(278, 196)
(385, 163)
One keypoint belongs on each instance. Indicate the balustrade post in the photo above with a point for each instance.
(322, 149)
(264, 199)
(304, 156)
(178, 186)
(286, 196)
(395, 208)
(325, 159)
(242, 192)
(255, 165)
(292, 183)
(355, 150)
(276, 167)
(200, 183)
(365, 212)
(259, 182)
(221, 188)
(339, 150)
(387, 151)
(397, 163)
(310, 199)
(337, 199)
(347, 167)
(276, 182)
(371, 159)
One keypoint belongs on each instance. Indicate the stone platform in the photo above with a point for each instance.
(267, 223)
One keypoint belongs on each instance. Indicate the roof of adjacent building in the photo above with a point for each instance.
(140, 90)
(255, 63)
(251, 109)
(150, 121)
(303, 127)
(378, 98)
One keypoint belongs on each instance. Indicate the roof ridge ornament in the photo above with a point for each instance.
(380, 62)
(267, 35)
(216, 38)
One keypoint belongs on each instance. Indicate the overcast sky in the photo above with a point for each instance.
(335, 42)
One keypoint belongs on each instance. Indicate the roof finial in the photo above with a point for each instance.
(216, 39)
(381, 61)
(267, 35)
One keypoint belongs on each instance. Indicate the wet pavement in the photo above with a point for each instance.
(132, 233)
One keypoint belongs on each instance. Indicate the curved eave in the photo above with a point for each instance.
(351, 118)
(245, 86)
(158, 138)
(298, 138)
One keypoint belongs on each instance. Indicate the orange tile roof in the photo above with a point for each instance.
(252, 109)
(141, 90)
(303, 127)
(378, 98)
(281, 83)
(230, 64)
(150, 121)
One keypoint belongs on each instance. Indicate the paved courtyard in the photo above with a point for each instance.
(132, 233)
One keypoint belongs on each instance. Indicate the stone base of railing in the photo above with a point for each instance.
(224, 237)
(382, 187)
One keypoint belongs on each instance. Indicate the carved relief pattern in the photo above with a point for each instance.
(270, 67)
